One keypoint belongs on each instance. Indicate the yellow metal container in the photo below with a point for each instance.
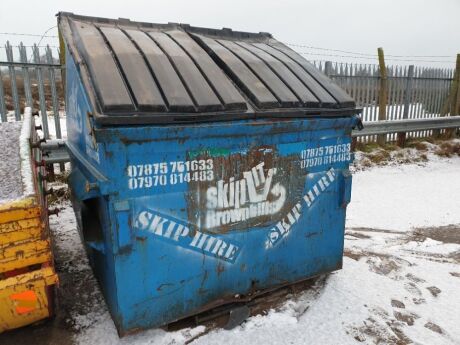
(26, 298)
(27, 276)
(24, 239)
(19, 210)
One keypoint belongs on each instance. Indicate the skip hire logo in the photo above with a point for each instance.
(254, 195)
(170, 229)
(282, 228)
(250, 190)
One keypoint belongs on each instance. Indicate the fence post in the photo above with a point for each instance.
(455, 107)
(14, 87)
(452, 102)
(2, 100)
(25, 75)
(381, 139)
(453, 96)
(54, 98)
(407, 101)
(456, 102)
(41, 92)
(328, 68)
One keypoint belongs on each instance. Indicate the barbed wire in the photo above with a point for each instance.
(26, 34)
(374, 58)
(31, 46)
(41, 38)
(364, 54)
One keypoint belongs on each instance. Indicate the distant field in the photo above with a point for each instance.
(7, 87)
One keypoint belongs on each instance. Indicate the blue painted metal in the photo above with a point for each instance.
(172, 240)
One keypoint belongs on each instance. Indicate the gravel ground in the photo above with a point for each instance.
(10, 163)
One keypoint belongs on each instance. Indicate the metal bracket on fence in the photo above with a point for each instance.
(397, 126)
(55, 151)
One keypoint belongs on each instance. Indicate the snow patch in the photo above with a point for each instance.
(25, 153)
(15, 159)
(403, 197)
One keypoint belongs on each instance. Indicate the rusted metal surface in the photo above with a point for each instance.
(216, 315)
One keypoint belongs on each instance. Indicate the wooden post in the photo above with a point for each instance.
(455, 92)
(452, 103)
(354, 142)
(381, 139)
(455, 104)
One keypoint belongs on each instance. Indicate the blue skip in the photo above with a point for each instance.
(207, 165)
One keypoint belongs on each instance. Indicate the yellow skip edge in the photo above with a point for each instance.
(41, 277)
(24, 254)
(19, 203)
(19, 214)
(12, 237)
(20, 225)
(19, 209)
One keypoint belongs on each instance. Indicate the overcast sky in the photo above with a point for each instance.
(401, 27)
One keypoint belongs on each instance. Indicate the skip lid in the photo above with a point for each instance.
(138, 73)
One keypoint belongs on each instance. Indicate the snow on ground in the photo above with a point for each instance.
(405, 196)
(399, 283)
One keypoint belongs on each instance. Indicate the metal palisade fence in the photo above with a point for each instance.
(413, 92)
(31, 76)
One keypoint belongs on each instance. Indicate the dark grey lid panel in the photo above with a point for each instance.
(240, 73)
(176, 96)
(202, 93)
(342, 98)
(108, 82)
(144, 89)
(320, 92)
(222, 86)
(285, 96)
(289, 78)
